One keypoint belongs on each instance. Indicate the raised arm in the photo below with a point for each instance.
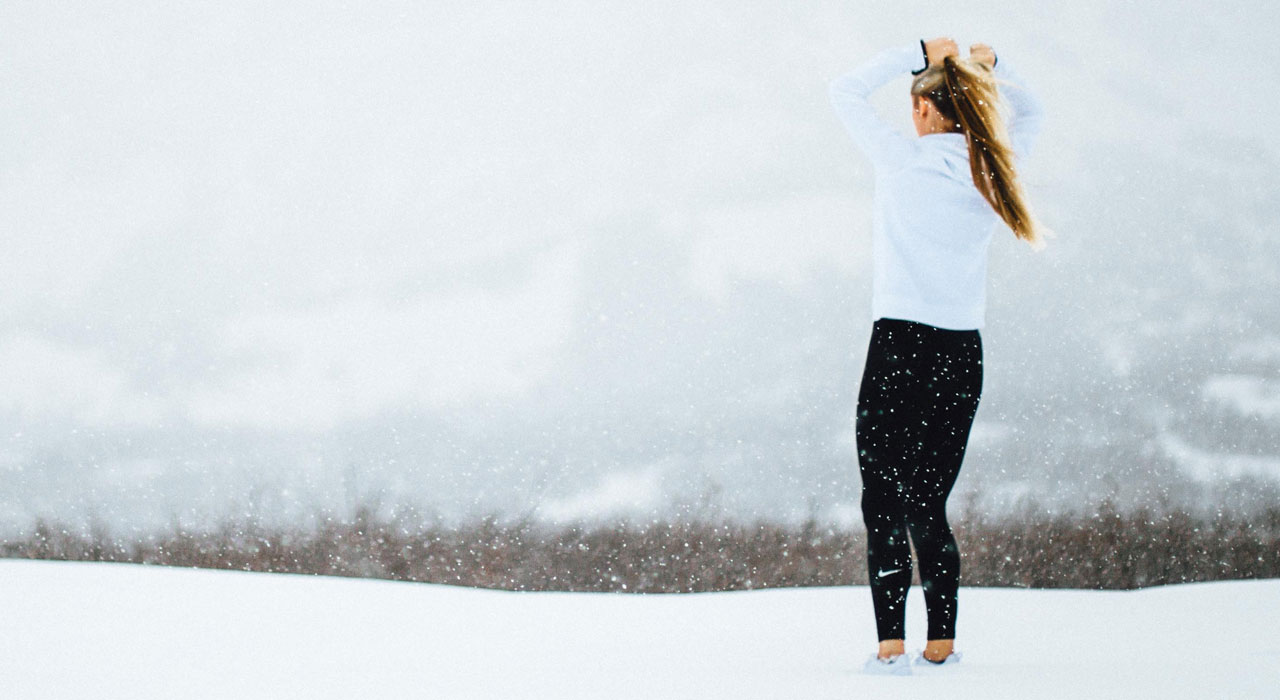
(1028, 112)
(885, 145)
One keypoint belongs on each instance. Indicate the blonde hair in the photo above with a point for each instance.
(965, 92)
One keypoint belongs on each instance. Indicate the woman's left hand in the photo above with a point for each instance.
(936, 49)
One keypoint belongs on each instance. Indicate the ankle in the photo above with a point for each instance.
(938, 650)
(892, 647)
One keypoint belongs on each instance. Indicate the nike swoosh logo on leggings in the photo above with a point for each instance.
(882, 572)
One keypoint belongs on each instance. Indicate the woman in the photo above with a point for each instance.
(938, 198)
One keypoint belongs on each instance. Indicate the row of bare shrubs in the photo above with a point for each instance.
(1103, 548)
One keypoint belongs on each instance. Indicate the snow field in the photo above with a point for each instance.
(106, 630)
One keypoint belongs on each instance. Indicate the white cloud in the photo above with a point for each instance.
(778, 241)
(1248, 395)
(42, 379)
(315, 368)
(618, 492)
(1208, 466)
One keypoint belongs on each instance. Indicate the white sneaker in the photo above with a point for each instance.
(899, 665)
(952, 658)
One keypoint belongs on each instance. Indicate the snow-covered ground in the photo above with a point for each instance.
(80, 630)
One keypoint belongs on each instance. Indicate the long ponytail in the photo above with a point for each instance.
(966, 93)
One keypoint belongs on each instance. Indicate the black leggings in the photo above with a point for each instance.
(916, 404)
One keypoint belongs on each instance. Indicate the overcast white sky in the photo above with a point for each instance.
(291, 219)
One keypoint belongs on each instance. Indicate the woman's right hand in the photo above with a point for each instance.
(981, 53)
(936, 49)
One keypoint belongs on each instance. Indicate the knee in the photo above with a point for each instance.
(881, 496)
(928, 521)
(877, 499)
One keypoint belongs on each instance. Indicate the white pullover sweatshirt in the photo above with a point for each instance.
(930, 225)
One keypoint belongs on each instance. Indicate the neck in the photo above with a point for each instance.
(941, 127)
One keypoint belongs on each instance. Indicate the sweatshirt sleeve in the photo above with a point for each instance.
(885, 145)
(1028, 111)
